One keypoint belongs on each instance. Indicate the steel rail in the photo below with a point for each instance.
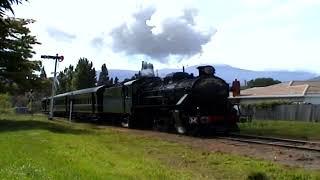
(274, 138)
(273, 141)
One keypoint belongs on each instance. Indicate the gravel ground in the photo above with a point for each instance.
(290, 157)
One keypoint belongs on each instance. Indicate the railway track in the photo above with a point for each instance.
(281, 142)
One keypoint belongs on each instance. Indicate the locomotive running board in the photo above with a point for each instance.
(182, 99)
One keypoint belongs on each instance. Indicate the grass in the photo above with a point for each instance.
(287, 129)
(32, 147)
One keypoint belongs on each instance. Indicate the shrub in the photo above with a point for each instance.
(265, 105)
(5, 104)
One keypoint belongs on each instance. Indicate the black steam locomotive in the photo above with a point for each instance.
(180, 102)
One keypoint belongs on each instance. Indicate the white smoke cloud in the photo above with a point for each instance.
(179, 36)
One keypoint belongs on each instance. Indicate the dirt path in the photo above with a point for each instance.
(290, 157)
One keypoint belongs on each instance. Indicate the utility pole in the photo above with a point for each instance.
(56, 58)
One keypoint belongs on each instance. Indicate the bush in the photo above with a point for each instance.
(5, 103)
(265, 105)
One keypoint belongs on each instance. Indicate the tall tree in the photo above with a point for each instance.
(116, 80)
(16, 42)
(62, 83)
(69, 72)
(84, 75)
(103, 76)
(43, 88)
(111, 81)
(65, 80)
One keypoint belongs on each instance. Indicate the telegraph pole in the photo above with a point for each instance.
(56, 58)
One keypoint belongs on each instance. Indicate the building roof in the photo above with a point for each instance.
(313, 86)
(292, 88)
(82, 91)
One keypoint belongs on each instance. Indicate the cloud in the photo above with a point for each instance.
(60, 35)
(97, 42)
(178, 36)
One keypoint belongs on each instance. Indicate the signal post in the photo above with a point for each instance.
(60, 59)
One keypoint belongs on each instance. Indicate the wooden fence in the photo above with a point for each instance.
(294, 112)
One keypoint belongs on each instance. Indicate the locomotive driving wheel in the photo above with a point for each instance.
(162, 123)
(179, 123)
(125, 121)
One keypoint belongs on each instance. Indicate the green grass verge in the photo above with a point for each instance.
(287, 129)
(31, 147)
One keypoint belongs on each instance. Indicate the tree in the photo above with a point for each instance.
(262, 82)
(111, 81)
(43, 84)
(84, 75)
(5, 5)
(116, 80)
(62, 85)
(18, 71)
(69, 72)
(103, 76)
(65, 80)
(44, 88)
(43, 74)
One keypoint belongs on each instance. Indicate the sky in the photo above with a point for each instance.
(248, 34)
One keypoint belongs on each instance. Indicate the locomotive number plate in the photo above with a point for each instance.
(193, 120)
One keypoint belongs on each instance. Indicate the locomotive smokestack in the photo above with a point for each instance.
(206, 71)
(147, 69)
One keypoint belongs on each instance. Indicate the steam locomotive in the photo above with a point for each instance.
(179, 102)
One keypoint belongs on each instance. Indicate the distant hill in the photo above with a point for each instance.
(226, 72)
(121, 74)
(315, 79)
